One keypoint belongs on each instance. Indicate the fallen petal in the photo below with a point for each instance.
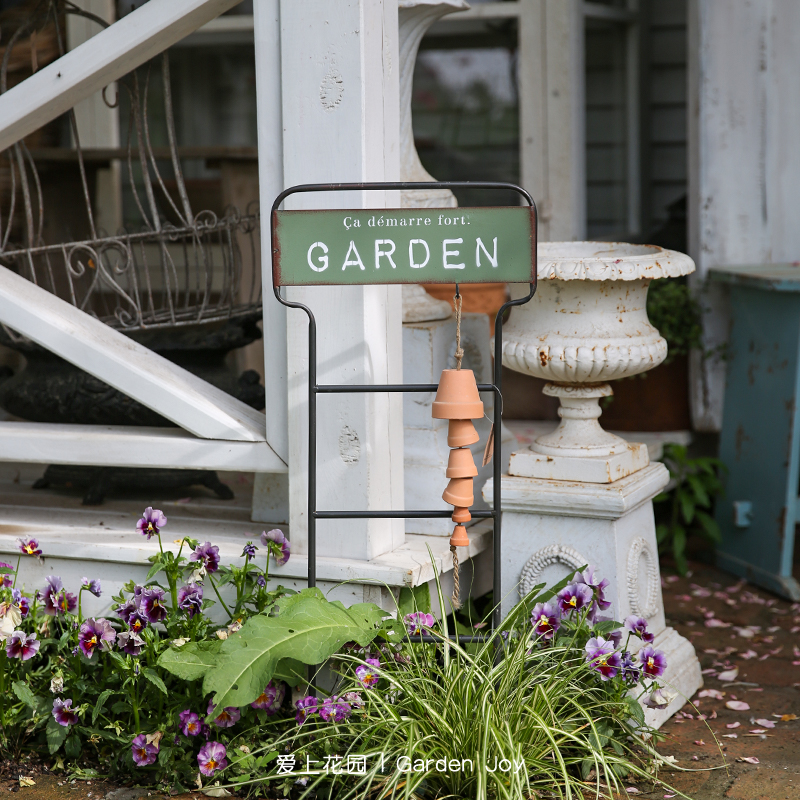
(713, 622)
(749, 760)
(733, 725)
(748, 654)
(788, 717)
(737, 705)
(715, 693)
(730, 735)
(765, 723)
(728, 675)
(700, 743)
(758, 730)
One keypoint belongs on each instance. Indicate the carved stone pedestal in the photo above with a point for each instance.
(551, 528)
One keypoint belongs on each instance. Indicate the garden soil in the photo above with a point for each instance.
(730, 753)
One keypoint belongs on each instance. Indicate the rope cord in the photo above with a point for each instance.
(457, 301)
(456, 598)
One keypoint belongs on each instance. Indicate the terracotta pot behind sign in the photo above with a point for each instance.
(655, 401)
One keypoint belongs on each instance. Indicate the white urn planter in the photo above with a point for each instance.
(414, 19)
(586, 325)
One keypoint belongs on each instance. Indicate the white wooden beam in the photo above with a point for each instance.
(171, 391)
(136, 38)
(129, 446)
(341, 123)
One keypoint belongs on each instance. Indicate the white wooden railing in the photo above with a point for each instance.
(217, 431)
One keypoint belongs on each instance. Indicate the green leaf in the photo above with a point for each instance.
(100, 704)
(153, 677)
(709, 526)
(662, 533)
(416, 599)
(635, 709)
(55, 735)
(291, 671)
(687, 506)
(191, 661)
(606, 626)
(72, 746)
(699, 490)
(154, 570)
(23, 692)
(309, 629)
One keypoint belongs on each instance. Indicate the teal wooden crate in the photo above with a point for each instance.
(760, 441)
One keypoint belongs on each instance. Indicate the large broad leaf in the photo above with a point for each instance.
(308, 629)
(191, 661)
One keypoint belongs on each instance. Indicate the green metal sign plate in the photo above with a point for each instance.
(426, 245)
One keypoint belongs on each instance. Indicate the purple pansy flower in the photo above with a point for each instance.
(96, 633)
(335, 709)
(261, 581)
(137, 622)
(6, 581)
(227, 718)
(151, 523)
(29, 547)
(653, 661)
(271, 699)
(278, 545)
(306, 707)
(144, 752)
(659, 698)
(130, 606)
(63, 713)
(546, 619)
(354, 699)
(574, 597)
(190, 723)
(152, 604)
(211, 758)
(638, 626)
(5, 566)
(589, 578)
(630, 670)
(56, 599)
(130, 642)
(615, 637)
(208, 555)
(249, 551)
(604, 658)
(416, 621)
(22, 646)
(367, 673)
(21, 602)
(190, 599)
(92, 586)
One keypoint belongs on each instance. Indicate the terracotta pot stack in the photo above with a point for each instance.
(458, 400)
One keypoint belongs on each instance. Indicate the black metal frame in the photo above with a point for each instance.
(314, 389)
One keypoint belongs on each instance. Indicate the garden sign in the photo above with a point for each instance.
(370, 246)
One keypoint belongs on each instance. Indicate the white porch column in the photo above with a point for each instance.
(339, 73)
(744, 163)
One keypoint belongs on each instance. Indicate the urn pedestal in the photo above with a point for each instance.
(581, 495)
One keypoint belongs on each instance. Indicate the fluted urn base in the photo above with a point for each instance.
(579, 449)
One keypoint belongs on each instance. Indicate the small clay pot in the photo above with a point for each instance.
(457, 397)
(461, 515)
(461, 464)
(461, 432)
(459, 492)
(459, 537)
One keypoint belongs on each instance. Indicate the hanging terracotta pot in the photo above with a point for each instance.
(459, 492)
(459, 537)
(457, 397)
(461, 464)
(461, 432)
(461, 515)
